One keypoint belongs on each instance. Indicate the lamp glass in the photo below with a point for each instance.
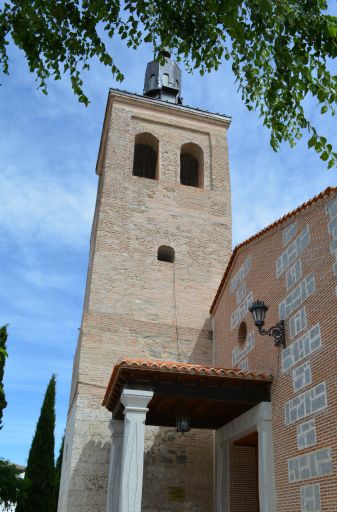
(258, 310)
(182, 424)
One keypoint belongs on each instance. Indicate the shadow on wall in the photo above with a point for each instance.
(194, 347)
(177, 471)
(89, 481)
(202, 352)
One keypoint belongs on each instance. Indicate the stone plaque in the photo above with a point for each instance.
(176, 494)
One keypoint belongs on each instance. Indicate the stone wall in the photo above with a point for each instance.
(293, 270)
(137, 306)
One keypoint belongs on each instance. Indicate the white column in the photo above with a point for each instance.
(135, 403)
(266, 466)
(222, 473)
(117, 430)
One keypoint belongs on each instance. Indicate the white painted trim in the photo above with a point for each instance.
(258, 418)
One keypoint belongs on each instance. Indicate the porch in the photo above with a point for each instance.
(233, 403)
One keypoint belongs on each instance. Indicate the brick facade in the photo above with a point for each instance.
(291, 266)
(137, 306)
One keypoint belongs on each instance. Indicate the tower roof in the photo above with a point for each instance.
(163, 79)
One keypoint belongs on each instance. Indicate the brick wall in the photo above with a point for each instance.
(292, 268)
(133, 301)
(243, 479)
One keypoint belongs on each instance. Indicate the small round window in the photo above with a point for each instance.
(242, 333)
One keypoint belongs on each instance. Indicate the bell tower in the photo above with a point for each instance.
(160, 241)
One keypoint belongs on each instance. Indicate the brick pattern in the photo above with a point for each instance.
(294, 274)
(304, 392)
(243, 365)
(301, 293)
(133, 300)
(241, 292)
(310, 465)
(331, 209)
(241, 352)
(311, 498)
(309, 402)
(239, 313)
(302, 376)
(293, 251)
(243, 479)
(306, 434)
(241, 274)
(301, 347)
(298, 323)
(289, 232)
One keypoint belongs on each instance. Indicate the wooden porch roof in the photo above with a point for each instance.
(210, 396)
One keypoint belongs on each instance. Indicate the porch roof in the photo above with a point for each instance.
(210, 396)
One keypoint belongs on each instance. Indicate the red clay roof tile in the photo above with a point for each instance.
(181, 368)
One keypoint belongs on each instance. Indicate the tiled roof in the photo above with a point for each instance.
(326, 192)
(181, 368)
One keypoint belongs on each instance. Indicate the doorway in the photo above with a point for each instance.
(243, 480)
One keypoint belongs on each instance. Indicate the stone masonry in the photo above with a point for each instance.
(137, 306)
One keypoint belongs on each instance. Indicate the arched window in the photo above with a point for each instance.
(145, 156)
(165, 253)
(188, 170)
(191, 165)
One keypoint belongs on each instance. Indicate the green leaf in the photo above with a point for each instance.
(312, 141)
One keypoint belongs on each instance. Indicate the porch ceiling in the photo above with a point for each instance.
(211, 397)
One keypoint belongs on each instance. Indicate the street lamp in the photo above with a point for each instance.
(258, 310)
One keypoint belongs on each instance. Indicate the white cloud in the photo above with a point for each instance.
(43, 280)
(38, 207)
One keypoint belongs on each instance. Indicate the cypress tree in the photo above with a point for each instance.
(58, 469)
(39, 482)
(3, 355)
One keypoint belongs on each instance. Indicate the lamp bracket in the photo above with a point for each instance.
(277, 332)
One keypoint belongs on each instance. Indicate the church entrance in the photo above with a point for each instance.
(233, 403)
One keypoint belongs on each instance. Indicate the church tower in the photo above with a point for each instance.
(161, 238)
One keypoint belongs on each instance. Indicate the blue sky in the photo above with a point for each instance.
(48, 148)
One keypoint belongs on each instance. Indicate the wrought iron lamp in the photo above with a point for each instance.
(258, 310)
(182, 424)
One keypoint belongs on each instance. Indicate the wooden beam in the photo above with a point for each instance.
(230, 394)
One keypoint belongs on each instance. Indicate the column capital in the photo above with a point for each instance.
(136, 400)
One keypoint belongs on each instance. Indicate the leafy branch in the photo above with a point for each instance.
(280, 50)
